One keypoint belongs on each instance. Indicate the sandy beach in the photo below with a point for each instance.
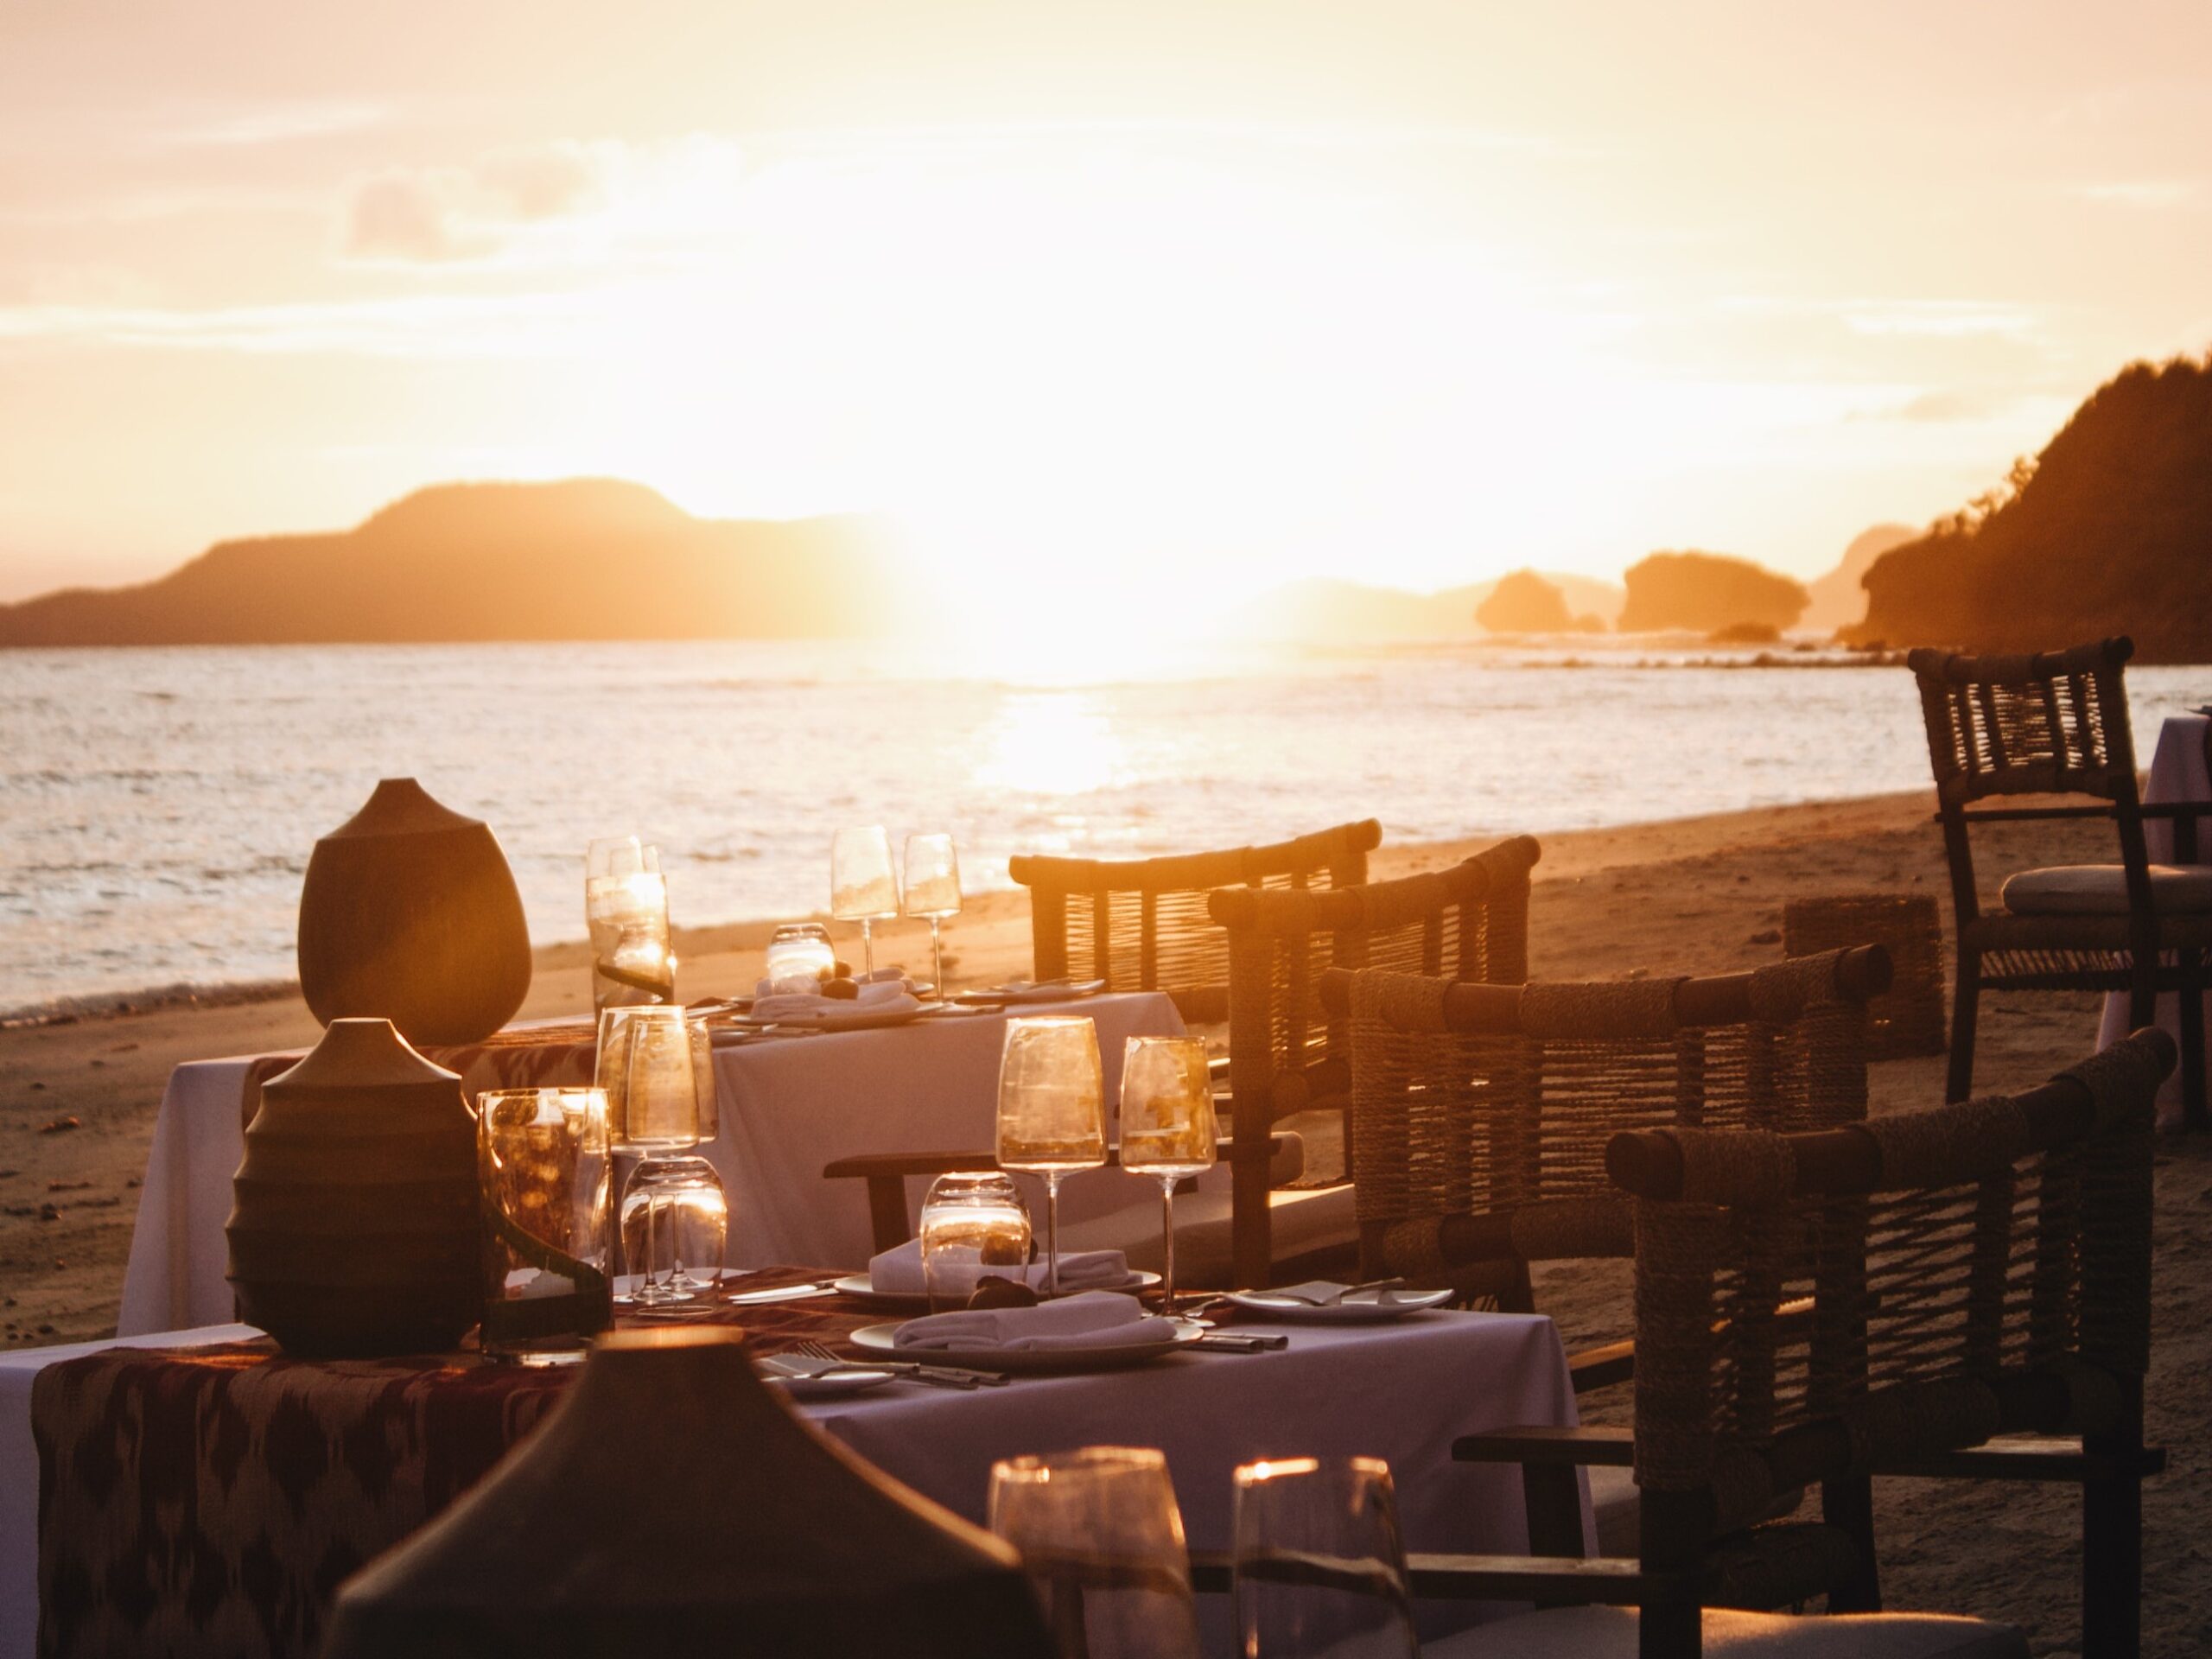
(1692, 895)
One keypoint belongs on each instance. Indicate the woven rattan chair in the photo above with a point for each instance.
(1141, 924)
(2057, 724)
(1978, 1270)
(1287, 1054)
(1481, 1112)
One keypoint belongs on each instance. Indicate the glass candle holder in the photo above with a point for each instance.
(1320, 1565)
(972, 1222)
(1101, 1537)
(632, 958)
(800, 956)
(544, 1168)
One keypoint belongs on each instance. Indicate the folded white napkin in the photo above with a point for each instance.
(1097, 1318)
(1325, 1293)
(899, 1271)
(883, 997)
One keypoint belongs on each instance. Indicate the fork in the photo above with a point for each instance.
(945, 1376)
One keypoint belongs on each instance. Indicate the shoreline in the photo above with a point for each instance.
(750, 933)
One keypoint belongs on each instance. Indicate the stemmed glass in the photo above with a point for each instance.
(625, 914)
(648, 1051)
(1101, 1538)
(1320, 1565)
(863, 887)
(1052, 1120)
(1167, 1127)
(933, 890)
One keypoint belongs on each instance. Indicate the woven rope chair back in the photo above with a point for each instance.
(1501, 1105)
(1142, 923)
(1288, 1053)
(1977, 1269)
(2051, 724)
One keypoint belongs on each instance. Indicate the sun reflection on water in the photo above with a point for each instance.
(1051, 743)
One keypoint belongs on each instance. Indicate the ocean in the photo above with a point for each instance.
(159, 805)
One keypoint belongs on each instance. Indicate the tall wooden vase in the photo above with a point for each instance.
(354, 1226)
(410, 914)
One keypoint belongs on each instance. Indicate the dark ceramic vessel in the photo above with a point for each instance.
(410, 914)
(354, 1219)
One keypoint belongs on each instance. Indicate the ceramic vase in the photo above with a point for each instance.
(409, 913)
(354, 1220)
(672, 1504)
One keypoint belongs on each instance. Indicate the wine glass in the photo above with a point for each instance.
(933, 890)
(971, 1222)
(863, 887)
(658, 1117)
(1050, 1120)
(625, 914)
(1320, 1566)
(1101, 1538)
(1167, 1127)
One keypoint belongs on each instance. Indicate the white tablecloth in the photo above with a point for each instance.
(788, 1108)
(2178, 772)
(1402, 1393)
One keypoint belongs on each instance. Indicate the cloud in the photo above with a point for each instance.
(276, 124)
(2150, 195)
(1950, 405)
(431, 215)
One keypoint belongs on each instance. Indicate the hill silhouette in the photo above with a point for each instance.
(2108, 531)
(1707, 592)
(1523, 602)
(1325, 611)
(1839, 598)
(580, 559)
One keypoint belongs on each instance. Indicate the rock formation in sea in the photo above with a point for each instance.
(1707, 592)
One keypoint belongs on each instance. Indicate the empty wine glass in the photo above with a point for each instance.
(933, 890)
(1167, 1127)
(625, 914)
(676, 1226)
(1320, 1566)
(863, 887)
(657, 1116)
(971, 1222)
(1051, 1118)
(1101, 1538)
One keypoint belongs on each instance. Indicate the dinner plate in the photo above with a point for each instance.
(1052, 991)
(858, 1016)
(856, 1284)
(1028, 1362)
(803, 1385)
(1361, 1308)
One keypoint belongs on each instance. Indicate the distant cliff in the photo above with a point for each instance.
(1325, 612)
(1839, 598)
(2108, 531)
(1707, 592)
(581, 559)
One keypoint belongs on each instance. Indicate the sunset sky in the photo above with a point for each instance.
(1232, 293)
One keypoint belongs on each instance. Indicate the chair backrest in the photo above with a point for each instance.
(1977, 1269)
(1287, 1053)
(1142, 923)
(1481, 1114)
(2055, 723)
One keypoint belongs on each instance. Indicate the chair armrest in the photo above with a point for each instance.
(1619, 1581)
(1601, 1367)
(2039, 1458)
(1589, 1448)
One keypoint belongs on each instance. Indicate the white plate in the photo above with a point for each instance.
(800, 1385)
(856, 1284)
(883, 1340)
(1053, 991)
(857, 1017)
(1361, 1308)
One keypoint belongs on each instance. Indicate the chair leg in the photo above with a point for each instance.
(1669, 1630)
(1848, 1505)
(1965, 1000)
(2112, 1549)
(2193, 1113)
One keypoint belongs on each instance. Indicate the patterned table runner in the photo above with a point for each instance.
(210, 1500)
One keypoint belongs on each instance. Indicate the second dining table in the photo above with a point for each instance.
(788, 1105)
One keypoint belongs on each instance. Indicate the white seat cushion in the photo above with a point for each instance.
(1610, 1633)
(2101, 890)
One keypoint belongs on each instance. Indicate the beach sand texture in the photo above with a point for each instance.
(1695, 895)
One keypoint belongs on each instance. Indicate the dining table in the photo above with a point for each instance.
(197, 1491)
(789, 1103)
(2181, 770)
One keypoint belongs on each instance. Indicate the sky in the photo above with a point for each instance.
(1212, 295)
